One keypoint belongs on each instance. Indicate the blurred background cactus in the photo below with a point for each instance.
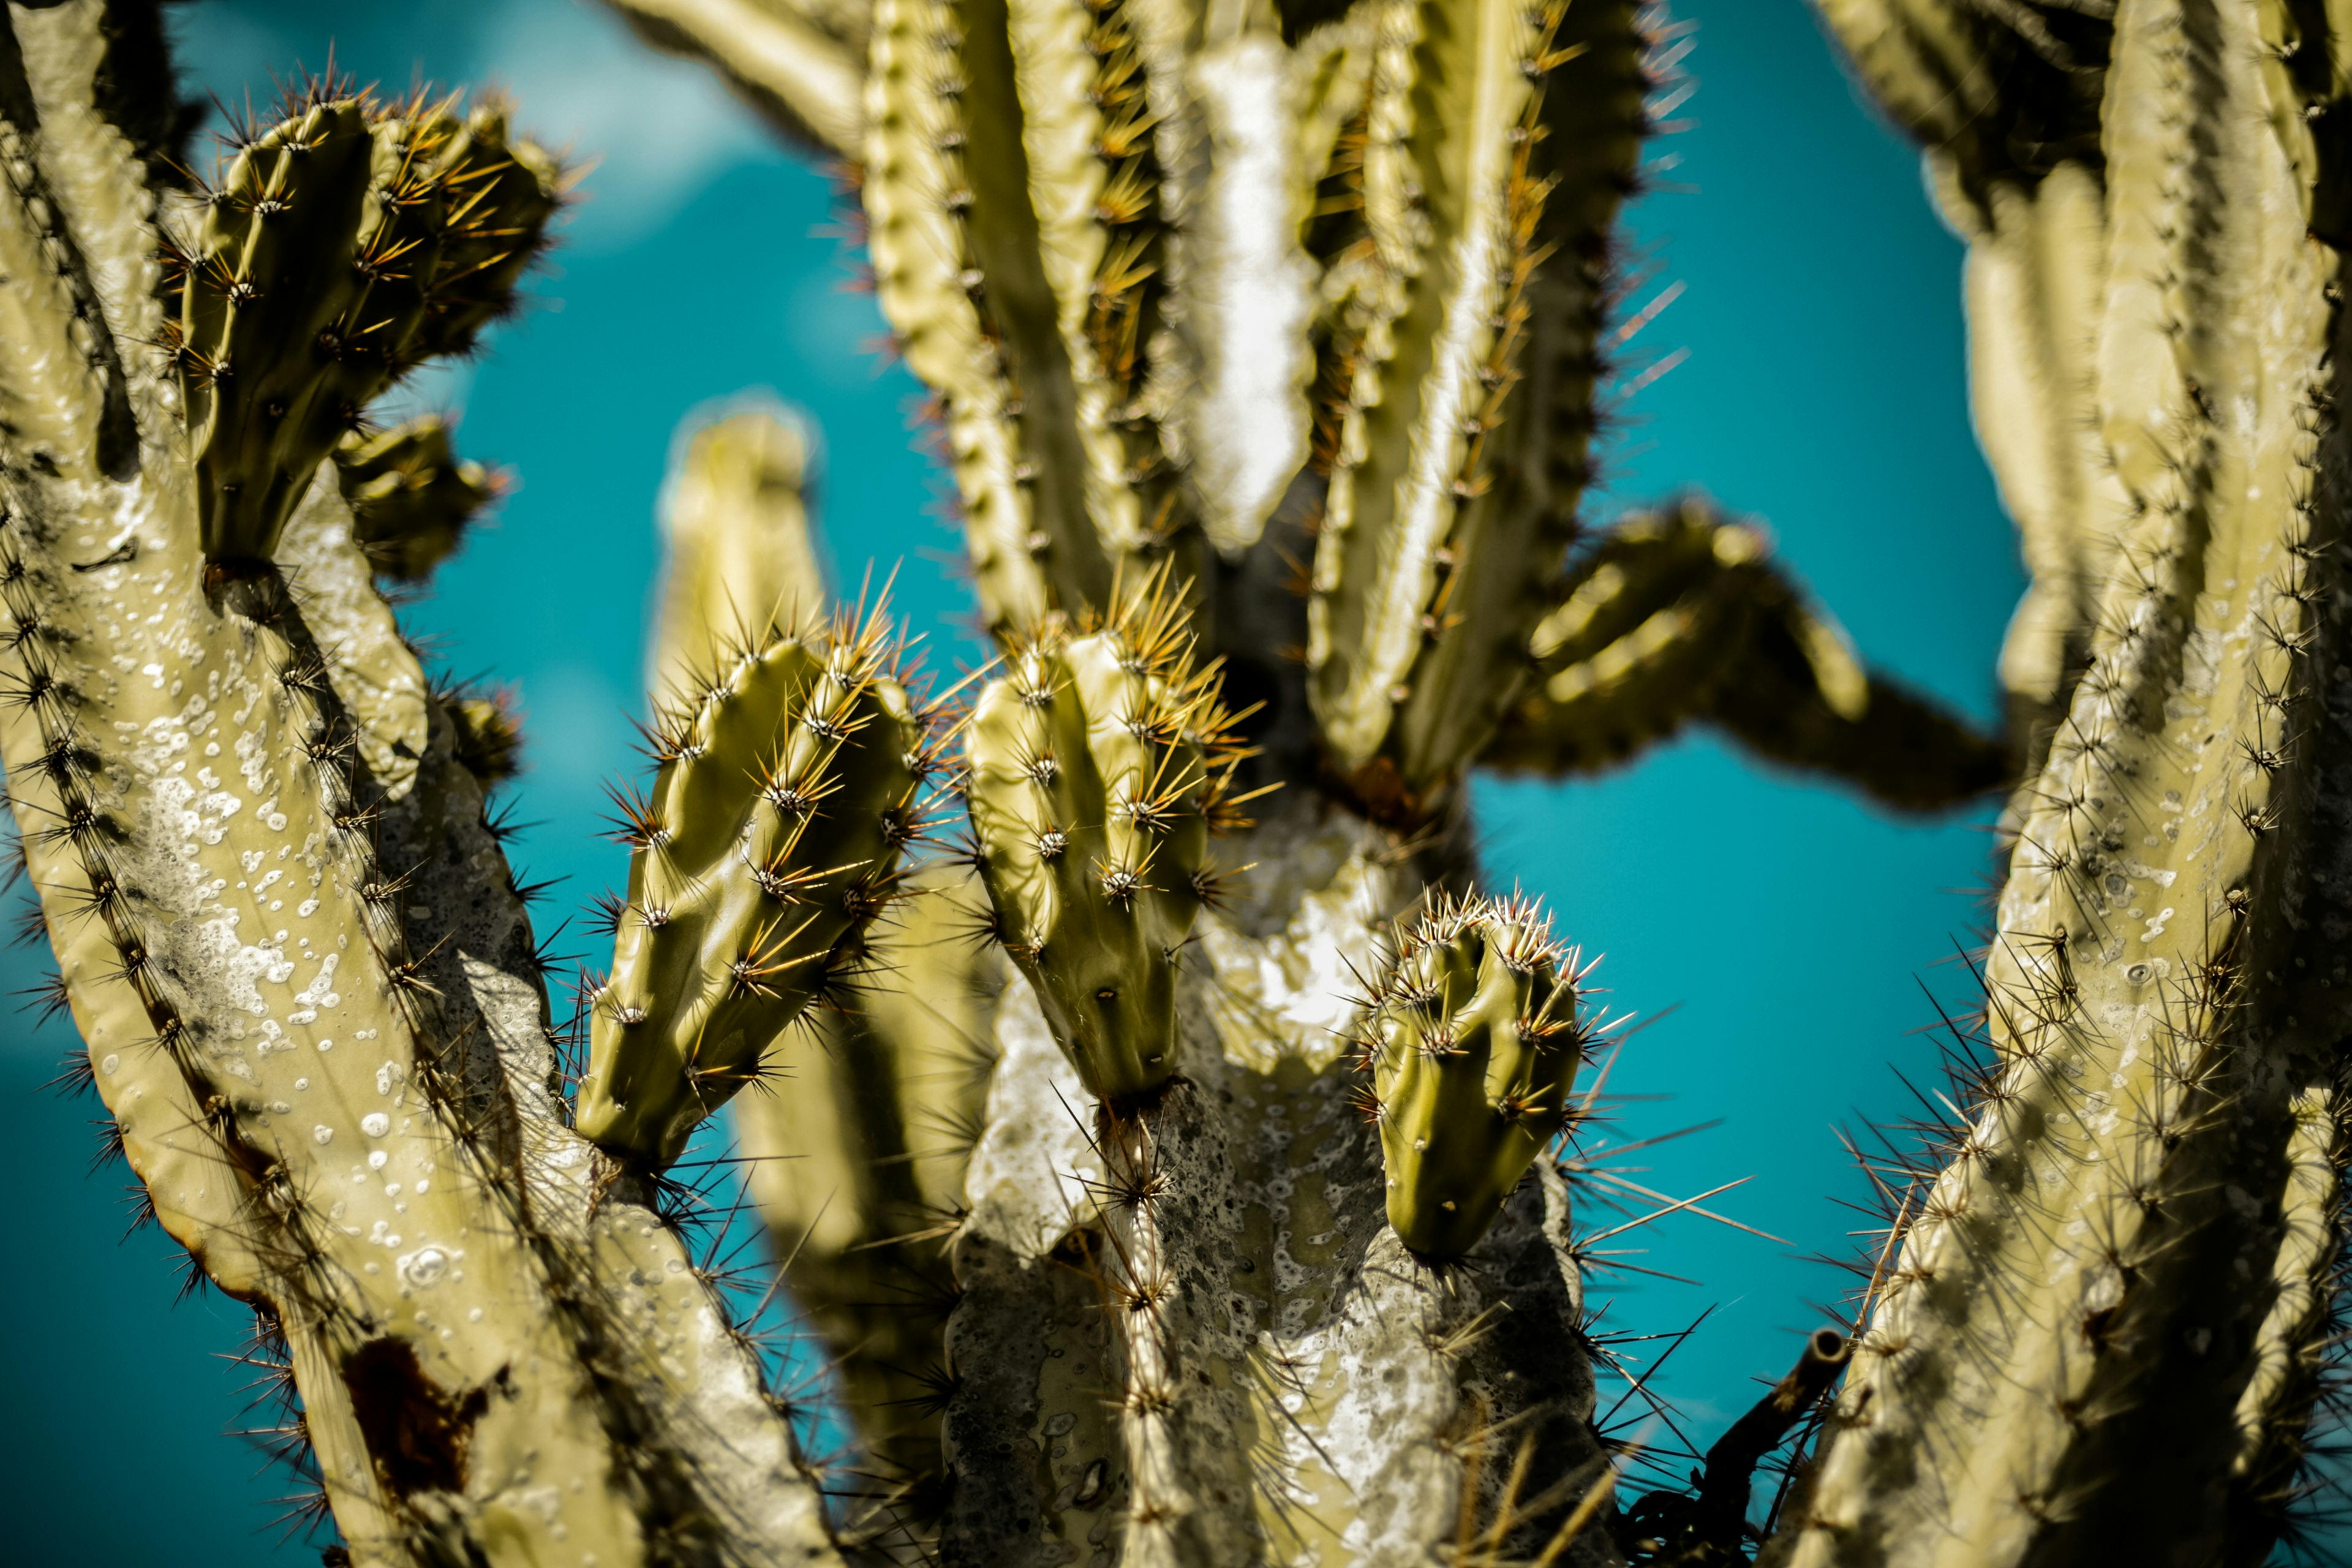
(1170, 1148)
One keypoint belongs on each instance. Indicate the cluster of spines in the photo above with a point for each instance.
(788, 783)
(1124, 304)
(343, 246)
(412, 498)
(1471, 1040)
(1097, 766)
(1068, 564)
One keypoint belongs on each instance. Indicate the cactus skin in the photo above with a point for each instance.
(510, 1336)
(411, 498)
(735, 529)
(1500, 139)
(1681, 615)
(767, 844)
(344, 247)
(1473, 1045)
(2076, 1349)
(1097, 767)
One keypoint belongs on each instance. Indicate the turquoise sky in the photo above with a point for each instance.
(1789, 928)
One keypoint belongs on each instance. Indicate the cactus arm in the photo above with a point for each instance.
(1096, 243)
(738, 552)
(711, 1446)
(2011, 124)
(1096, 767)
(95, 170)
(254, 1019)
(1452, 84)
(1001, 239)
(856, 1155)
(1592, 120)
(802, 66)
(789, 780)
(1680, 616)
(204, 1194)
(1502, 140)
(2034, 281)
(2274, 1413)
(345, 246)
(2147, 1059)
(1473, 1046)
(438, 1442)
(1267, 119)
(411, 498)
(915, 154)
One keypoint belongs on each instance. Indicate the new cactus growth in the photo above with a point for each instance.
(1473, 1043)
(1264, 343)
(344, 247)
(768, 843)
(1098, 767)
(410, 497)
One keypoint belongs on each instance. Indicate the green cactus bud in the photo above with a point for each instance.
(410, 497)
(768, 843)
(1099, 764)
(1472, 1044)
(342, 247)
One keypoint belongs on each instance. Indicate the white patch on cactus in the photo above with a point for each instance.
(1031, 1164)
(1252, 293)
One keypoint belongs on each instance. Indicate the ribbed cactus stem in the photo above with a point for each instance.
(342, 247)
(1682, 615)
(1473, 1043)
(1099, 766)
(2089, 1290)
(766, 844)
(412, 498)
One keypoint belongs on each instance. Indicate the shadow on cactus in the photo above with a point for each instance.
(1267, 351)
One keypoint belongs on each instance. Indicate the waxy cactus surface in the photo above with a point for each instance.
(1472, 1044)
(1184, 1174)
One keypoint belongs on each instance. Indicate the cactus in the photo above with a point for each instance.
(342, 248)
(2083, 1336)
(1098, 765)
(1264, 346)
(765, 847)
(411, 498)
(1676, 615)
(1472, 1044)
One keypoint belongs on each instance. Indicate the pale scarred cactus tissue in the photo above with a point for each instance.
(1166, 1124)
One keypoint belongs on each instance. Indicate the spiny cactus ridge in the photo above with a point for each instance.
(412, 498)
(341, 247)
(1097, 767)
(1265, 346)
(790, 783)
(1471, 1041)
